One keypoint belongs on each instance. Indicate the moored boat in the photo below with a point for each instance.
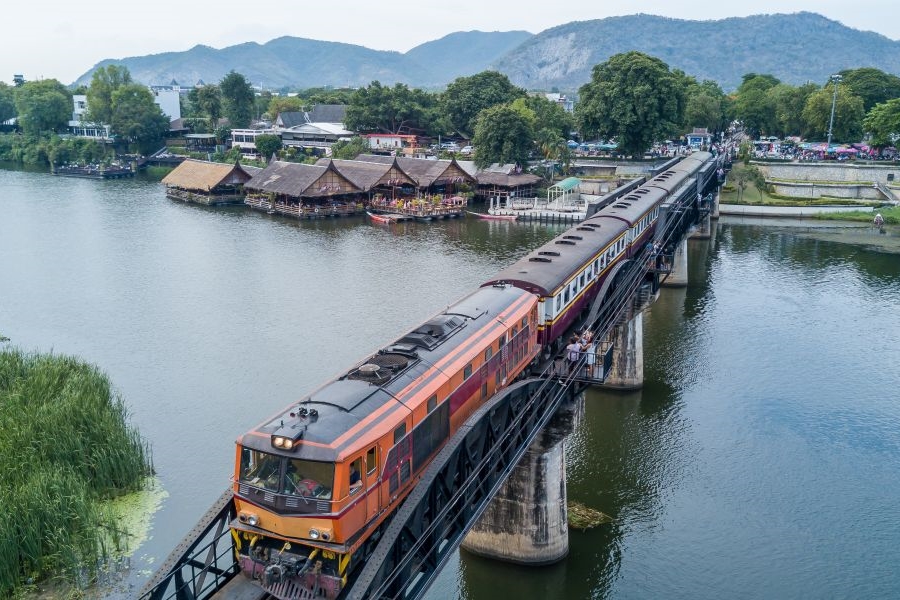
(490, 217)
(381, 218)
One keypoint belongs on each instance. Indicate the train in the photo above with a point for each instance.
(315, 484)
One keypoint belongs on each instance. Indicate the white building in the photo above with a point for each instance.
(245, 139)
(167, 100)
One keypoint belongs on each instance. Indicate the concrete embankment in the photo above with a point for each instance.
(759, 210)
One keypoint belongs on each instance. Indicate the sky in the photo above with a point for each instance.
(63, 40)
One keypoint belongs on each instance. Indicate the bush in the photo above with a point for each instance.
(65, 447)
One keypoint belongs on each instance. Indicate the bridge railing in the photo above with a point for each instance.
(202, 563)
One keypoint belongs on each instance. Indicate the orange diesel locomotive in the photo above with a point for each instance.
(313, 484)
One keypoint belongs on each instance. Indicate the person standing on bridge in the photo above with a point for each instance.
(573, 353)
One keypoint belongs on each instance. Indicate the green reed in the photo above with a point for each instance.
(65, 446)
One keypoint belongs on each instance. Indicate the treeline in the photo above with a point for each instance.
(65, 448)
(632, 99)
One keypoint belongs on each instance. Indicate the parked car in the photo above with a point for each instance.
(467, 150)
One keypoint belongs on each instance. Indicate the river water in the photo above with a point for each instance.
(761, 459)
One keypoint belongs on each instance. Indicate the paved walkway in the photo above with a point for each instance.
(750, 210)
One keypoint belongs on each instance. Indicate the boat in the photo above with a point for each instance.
(93, 171)
(381, 218)
(489, 217)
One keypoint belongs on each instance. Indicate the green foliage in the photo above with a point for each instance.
(466, 97)
(883, 123)
(137, 118)
(238, 99)
(789, 102)
(350, 149)
(64, 447)
(283, 104)
(398, 109)
(267, 145)
(502, 134)
(207, 101)
(547, 114)
(104, 83)
(327, 95)
(43, 106)
(633, 98)
(7, 102)
(872, 85)
(754, 104)
(50, 149)
(848, 114)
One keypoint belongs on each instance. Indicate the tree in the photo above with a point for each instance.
(43, 106)
(633, 98)
(104, 83)
(7, 102)
(703, 106)
(872, 85)
(547, 114)
(238, 99)
(207, 100)
(883, 122)
(397, 109)
(466, 97)
(350, 149)
(789, 102)
(754, 105)
(848, 114)
(504, 135)
(267, 145)
(283, 104)
(137, 118)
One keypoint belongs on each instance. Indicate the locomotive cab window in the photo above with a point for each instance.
(294, 477)
(355, 477)
(432, 403)
(399, 433)
(371, 460)
(467, 372)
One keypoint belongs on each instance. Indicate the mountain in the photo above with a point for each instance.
(465, 52)
(795, 48)
(285, 61)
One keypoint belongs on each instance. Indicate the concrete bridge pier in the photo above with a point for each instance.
(527, 521)
(627, 370)
(714, 207)
(678, 277)
(701, 231)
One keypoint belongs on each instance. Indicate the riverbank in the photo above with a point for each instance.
(65, 449)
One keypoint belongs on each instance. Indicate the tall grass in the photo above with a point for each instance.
(65, 446)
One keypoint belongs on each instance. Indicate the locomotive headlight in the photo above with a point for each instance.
(313, 534)
(248, 518)
(278, 442)
(288, 444)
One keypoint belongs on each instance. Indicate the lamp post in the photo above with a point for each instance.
(835, 80)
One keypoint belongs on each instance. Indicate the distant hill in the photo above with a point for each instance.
(795, 48)
(465, 52)
(300, 62)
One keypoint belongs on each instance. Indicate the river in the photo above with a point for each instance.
(761, 459)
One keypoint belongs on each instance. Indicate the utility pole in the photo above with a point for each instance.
(835, 80)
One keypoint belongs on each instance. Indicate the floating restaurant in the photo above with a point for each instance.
(208, 183)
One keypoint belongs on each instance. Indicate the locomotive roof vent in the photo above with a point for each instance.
(572, 237)
(380, 368)
(584, 228)
(621, 205)
(548, 253)
(567, 242)
(543, 259)
(431, 333)
(641, 191)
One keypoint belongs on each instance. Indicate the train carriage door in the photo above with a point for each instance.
(371, 469)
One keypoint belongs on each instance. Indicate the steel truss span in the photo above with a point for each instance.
(456, 489)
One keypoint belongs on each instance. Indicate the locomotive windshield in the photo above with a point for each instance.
(289, 476)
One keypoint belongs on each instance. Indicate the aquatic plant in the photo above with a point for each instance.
(65, 447)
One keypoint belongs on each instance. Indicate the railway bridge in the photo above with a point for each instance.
(465, 495)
